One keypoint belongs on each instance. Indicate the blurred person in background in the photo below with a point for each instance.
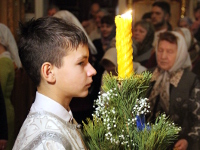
(9, 61)
(143, 36)
(52, 10)
(160, 15)
(192, 45)
(147, 16)
(195, 27)
(169, 93)
(3, 122)
(90, 25)
(185, 22)
(96, 34)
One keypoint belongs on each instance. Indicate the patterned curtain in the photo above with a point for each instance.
(11, 12)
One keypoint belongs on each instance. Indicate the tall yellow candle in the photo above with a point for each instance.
(124, 45)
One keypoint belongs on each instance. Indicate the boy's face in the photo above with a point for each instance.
(74, 77)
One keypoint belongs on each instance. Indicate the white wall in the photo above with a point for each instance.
(39, 6)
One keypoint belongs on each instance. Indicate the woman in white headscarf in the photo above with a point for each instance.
(176, 90)
(9, 60)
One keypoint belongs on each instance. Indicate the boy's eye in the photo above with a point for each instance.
(81, 63)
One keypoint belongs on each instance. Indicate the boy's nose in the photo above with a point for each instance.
(94, 72)
(91, 71)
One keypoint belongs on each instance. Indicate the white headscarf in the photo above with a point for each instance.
(69, 17)
(163, 78)
(110, 55)
(8, 41)
(182, 58)
(187, 36)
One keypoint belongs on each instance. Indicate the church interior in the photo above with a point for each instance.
(14, 11)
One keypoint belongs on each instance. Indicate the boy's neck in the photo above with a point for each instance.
(54, 95)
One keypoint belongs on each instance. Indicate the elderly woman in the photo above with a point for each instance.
(9, 60)
(175, 90)
(143, 36)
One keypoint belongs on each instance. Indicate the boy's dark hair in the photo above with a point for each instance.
(47, 39)
(108, 19)
(163, 5)
(168, 36)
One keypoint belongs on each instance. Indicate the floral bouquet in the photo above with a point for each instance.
(119, 118)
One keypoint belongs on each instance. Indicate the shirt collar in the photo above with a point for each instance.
(44, 103)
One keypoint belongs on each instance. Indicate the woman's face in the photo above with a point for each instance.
(106, 30)
(166, 55)
(139, 33)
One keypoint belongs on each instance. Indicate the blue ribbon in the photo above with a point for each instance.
(140, 122)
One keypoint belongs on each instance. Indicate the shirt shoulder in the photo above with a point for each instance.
(44, 129)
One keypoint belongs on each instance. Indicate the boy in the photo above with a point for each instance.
(55, 55)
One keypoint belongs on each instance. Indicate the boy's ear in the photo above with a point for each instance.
(47, 72)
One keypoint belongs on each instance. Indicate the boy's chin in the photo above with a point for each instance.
(83, 94)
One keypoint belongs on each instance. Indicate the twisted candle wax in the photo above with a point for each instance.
(124, 45)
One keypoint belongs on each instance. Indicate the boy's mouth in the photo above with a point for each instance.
(88, 85)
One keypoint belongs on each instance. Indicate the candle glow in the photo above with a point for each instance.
(124, 45)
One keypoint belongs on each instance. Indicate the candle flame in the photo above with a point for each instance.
(127, 14)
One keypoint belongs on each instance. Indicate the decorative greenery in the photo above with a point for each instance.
(118, 121)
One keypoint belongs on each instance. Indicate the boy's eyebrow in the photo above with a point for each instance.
(82, 57)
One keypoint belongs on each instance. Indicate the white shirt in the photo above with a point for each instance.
(48, 126)
(44, 103)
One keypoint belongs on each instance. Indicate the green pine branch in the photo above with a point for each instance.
(114, 121)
